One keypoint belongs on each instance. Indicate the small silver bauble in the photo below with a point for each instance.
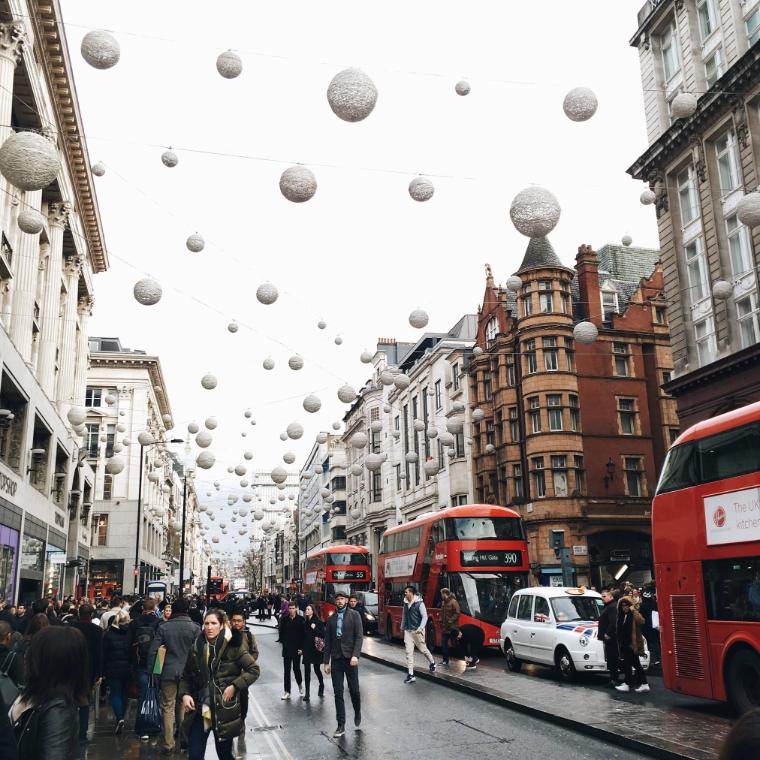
(418, 319)
(233, 327)
(98, 169)
(29, 161)
(209, 381)
(748, 209)
(336, 425)
(100, 49)
(195, 243)
(373, 462)
(585, 332)
(279, 474)
(30, 221)
(268, 363)
(462, 87)
(534, 211)
(352, 95)
(321, 324)
(366, 357)
(298, 184)
(722, 290)
(626, 240)
(401, 381)
(358, 440)
(114, 465)
(421, 189)
(647, 198)
(312, 403)
(477, 415)
(338, 340)
(514, 283)
(321, 437)
(169, 158)
(147, 291)
(346, 394)
(295, 362)
(204, 439)
(683, 106)
(145, 438)
(266, 293)
(580, 104)
(193, 428)
(229, 64)
(477, 351)
(294, 430)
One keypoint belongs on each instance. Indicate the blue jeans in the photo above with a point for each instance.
(197, 739)
(118, 689)
(143, 681)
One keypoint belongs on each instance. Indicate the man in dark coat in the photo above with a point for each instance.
(607, 633)
(142, 631)
(343, 647)
(93, 635)
(292, 635)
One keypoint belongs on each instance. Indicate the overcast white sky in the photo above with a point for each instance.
(361, 254)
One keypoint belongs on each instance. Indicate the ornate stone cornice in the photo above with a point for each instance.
(12, 41)
(73, 266)
(85, 304)
(58, 214)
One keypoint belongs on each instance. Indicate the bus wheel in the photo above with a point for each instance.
(430, 635)
(512, 662)
(389, 630)
(565, 664)
(743, 680)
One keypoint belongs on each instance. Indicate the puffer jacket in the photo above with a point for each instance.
(117, 652)
(233, 665)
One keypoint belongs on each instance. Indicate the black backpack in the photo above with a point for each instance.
(143, 639)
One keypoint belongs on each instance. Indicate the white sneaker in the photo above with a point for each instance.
(623, 687)
(300, 689)
(642, 689)
(286, 695)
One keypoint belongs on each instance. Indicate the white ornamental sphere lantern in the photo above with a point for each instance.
(268, 363)
(169, 159)
(352, 95)
(215, 539)
(535, 212)
(30, 221)
(457, 406)
(356, 469)
(29, 161)
(626, 240)
(154, 476)
(114, 465)
(324, 492)
(247, 498)
(347, 394)
(722, 290)
(283, 436)
(209, 381)
(244, 482)
(446, 438)
(118, 448)
(204, 439)
(294, 430)
(401, 381)
(110, 399)
(312, 403)
(355, 513)
(411, 457)
(386, 377)
(100, 49)
(298, 184)
(195, 243)
(359, 440)
(211, 423)
(258, 515)
(432, 431)
(430, 467)
(145, 438)
(748, 209)
(336, 425)
(321, 437)
(585, 332)
(248, 455)
(240, 470)
(455, 425)
(490, 448)
(147, 291)
(76, 415)
(514, 284)
(418, 425)
(229, 64)
(683, 106)
(418, 319)
(233, 327)
(288, 457)
(338, 340)
(248, 414)
(279, 474)
(647, 198)
(366, 357)
(230, 470)
(193, 428)
(376, 426)
(462, 87)
(321, 324)
(477, 351)
(98, 169)
(580, 104)
(421, 189)
(267, 293)
(295, 362)
(373, 462)
(478, 414)
(205, 459)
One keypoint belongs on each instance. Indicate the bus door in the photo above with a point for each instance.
(684, 637)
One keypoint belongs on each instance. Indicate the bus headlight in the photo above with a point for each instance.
(583, 641)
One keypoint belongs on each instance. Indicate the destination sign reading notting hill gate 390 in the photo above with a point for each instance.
(491, 558)
(349, 575)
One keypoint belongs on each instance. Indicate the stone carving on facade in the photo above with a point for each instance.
(657, 185)
(12, 41)
(698, 157)
(85, 304)
(740, 120)
(73, 265)
(58, 213)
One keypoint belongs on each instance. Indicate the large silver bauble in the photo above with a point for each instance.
(722, 290)
(114, 465)
(373, 462)
(98, 169)
(204, 439)
(683, 106)
(401, 381)
(352, 95)
(580, 104)
(268, 363)
(145, 438)
(386, 377)
(100, 49)
(298, 184)
(312, 403)
(431, 467)
(321, 438)
(626, 240)
(346, 394)
(535, 212)
(295, 362)
(455, 425)
(514, 283)
(229, 64)
(76, 415)
(169, 158)
(418, 319)
(478, 414)
(365, 357)
(205, 459)
(748, 209)
(29, 161)
(358, 440)
(294, 430)
(421, 189)
(195, 243)
(647, 198)
(266, 293)
(193, 428)
(30, 221)
(209, 381)
(147, 291)
(279, 474)
(585, 332)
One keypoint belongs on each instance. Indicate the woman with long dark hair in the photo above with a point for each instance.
(57, 682)
(313, 650)
(218, 668)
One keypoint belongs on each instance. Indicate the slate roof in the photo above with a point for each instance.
(538, 255)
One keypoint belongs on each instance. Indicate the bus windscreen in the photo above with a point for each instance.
(475, 528)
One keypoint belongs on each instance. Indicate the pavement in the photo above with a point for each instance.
(423, 720)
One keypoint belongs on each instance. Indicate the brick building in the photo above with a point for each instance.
(574, 435)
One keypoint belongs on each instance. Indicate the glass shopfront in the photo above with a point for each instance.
(106, 578)
(8, 557)
(56, 561)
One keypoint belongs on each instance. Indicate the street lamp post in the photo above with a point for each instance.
(139, 511)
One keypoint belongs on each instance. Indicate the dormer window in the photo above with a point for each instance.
(492, 329)
(610, 303)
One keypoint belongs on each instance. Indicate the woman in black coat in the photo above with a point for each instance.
(312, 656)
(117, 649)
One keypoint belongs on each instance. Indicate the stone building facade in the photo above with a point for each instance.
(699, 167)
(573, 436)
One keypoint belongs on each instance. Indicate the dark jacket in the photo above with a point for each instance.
(137, 628)
(629, 627)
(449, 614)
(8, 749)
(177, 635)
(350, 643)
(15, 666)
(608, 621)
(117, 652)
(250, 642)
(292, 635)
(314, 628)
(93, 635)
(231, 664)
(56, 735)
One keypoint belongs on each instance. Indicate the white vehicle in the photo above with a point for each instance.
(555, 626)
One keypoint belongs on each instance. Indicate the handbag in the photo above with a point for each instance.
(9, 689)
(149, 719)
(319, 644)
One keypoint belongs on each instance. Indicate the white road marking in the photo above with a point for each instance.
(279, 750)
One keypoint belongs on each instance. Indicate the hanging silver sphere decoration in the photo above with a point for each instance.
(478, 414)
(626, 240)
(204, 439)
(373, 462)
(431, 467)
(29, 161)
(386, 377)
(432, 431)
(401, 381)
(412, 457)
(288, 457)
(462, 87)
(321, 438)
(359, 440)
(477, 351)
(295, 362)
(580, 104)
(248, 455)
(229, 64)
(748, 209)
(193, 428)
(376, 426)
(312, 403)
(166, 419)
(356, 469)
(722, 290)
(240, 470)
(30, 221)
(115, 465)
(535, 211)
(154, 476)
(683, 105)
(446, 438)
(455, 425)
(418, 319)
(294, 430)
(298, 184)
(336, 425)
(346, 394)
(195, 243)
(418, 426)
(321, 324)
(514, 284)
(352, 95)
(147, 291)
(490, 448)
(100, 49)
(279, 474)
(169, 159)
(585, 332)
(338, 340)
(76, 415)
(421, 189)
(268, 363)
(283, 436)
(209, 381)
(647, 198)
(145, 438)
(98, 169)
(110, 399)
(233, 327)
(266, 293)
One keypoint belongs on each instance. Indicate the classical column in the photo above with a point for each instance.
(58, 215)
(83, 349)
(68, 351)
(12, 41)
(26, 270)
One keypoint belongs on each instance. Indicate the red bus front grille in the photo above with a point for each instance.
(687, 641)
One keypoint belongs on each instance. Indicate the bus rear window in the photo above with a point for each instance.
(468, 528)
(732, 588)
(347, 558)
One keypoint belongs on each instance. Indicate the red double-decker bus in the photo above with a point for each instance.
(218, 588)
(478, 551)
(343, 568)
(706, 541)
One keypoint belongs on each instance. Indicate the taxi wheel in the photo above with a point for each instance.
(512, 662)
(565, 664)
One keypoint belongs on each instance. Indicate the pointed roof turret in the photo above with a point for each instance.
(540, 255)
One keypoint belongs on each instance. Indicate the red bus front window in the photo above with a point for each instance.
(486, 596)
(347, 558)
(476, 528)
